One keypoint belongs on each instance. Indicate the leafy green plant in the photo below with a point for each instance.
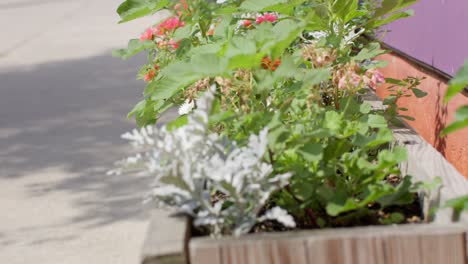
(456, 85)
(297, 68)
(400, 89)
(458, 205)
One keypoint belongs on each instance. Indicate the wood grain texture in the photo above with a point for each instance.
(166, 239)
(425, 163)
(406, 244)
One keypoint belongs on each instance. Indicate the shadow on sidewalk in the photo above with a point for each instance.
(68, 116)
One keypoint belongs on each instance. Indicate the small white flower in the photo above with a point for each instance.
(186, 107)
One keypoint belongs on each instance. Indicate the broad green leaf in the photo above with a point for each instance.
(340, 204)
(133, 9)
(383, 136)
(312, 152)
(457, 84)
(284, 33)
(376, 121)
(208, 64)
(418, 93)
(332, 120)
(182, 33)
(371, 51)
(134, 46)
(174, 77)
(139, 107)
(365, 108)
(241, 53)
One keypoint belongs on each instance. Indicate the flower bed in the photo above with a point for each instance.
(274, 133)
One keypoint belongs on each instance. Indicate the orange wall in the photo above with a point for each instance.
(430, 112)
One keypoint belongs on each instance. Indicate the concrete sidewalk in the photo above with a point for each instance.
(63, 102)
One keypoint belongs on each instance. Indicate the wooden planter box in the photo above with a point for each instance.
(169, 241)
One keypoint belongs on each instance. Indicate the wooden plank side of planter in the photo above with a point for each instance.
(425, 163)
(166, 239)
(407, 244)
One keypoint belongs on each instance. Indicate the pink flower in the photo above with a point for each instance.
(169, 24)
(355, 79)
(147, 35)
(166, 44)
(373, 77)
(268, 17)
(174, 44)
(342, 83)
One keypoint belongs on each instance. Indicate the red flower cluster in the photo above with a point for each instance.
(268, 64)
(149, 76)
(268, 17)
(162, 31)
(169, 25)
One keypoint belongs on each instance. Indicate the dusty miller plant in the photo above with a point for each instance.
(223, 186)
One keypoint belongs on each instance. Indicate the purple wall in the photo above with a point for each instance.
(437, 34)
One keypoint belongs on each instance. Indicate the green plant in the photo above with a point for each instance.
(399, 89)
(458, 205)
(456, 85)
(298, 68)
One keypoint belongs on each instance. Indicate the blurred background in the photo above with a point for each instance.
(63, 106)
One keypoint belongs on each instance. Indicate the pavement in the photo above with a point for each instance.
(63, 105)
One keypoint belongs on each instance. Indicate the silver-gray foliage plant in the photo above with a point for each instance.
(221, 185)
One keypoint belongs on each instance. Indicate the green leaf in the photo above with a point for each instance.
(418, 93)
(461, 117)
(182, 32)
(133, 9)
(457, 84)
(134, 46)
(315, 76)
(340, 204)
(402, 194)
(208, 64)
(383, 136)
(376, 121)
(178, 122)
(284, 33)
(174, 77)
(394, 218)
(345, 9)
(371, 51)
(459, 204)
(312, 152)
(257, 6)
(365, 108)
(391, 18)
(242, 53)
(332, 120)
(389, 6)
